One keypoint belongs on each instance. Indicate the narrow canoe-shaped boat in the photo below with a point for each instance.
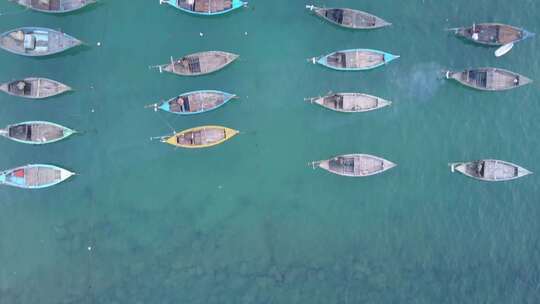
(349, 18)
(355, 165)
(490, 170)
(34, 176)
(205, 7)
(194, 102)
(199, 63)
(36, 132)
(200, 137)
(354, 60)
(36, 41)
(489, 79)
(34, 88)
(493, 34)
(54, 6)
(350, 102)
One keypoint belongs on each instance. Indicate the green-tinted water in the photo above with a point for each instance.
(249, 221)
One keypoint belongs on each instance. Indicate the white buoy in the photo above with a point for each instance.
(92, 111)
(89, 248)
(201, 34)
(99, 44)
(245, 33)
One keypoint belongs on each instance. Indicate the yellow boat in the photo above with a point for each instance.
(201, 137)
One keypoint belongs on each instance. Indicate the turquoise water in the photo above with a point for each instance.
(248, 221)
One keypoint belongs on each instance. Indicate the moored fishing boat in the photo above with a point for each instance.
(350, 102)
(354, 165)
(354, 60)
(54, 6)
(205, 7)
(36, 132)
(197, 64)
(34, 176)
(36, 41)
(489, 79)
(494, 34)
(194, 102)
(349, 18)
(490, 170)
(34, 88)
(200, 137)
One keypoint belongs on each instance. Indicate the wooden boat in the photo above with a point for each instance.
(199, 63)
(354, 60)
(36, 41)
(350, 102)
(205, 7)
(493, 34)
(349, 18)
(34, 88)
(490, 170)
(355, 165)
(200, 137)
(36, 132)
(489, 79)
(34, 176)
(194, 102)
(54, 6)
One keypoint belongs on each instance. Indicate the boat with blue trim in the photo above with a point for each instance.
(354, 59)
(195, 102)
(205, 7)
(36, 41)
(36, 132)
(37, 176)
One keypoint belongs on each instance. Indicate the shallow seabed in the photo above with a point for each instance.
(248, 221)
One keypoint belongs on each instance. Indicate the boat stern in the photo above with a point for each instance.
(68, 132)
(229, 133)
(523, 172)
(165, 107)
(65, 174)
(390, 57)
(169, 2)
(238, 4)
(2, 178)
(526, 34)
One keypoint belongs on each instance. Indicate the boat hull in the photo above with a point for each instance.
(351, 102)
(489, 79)
(492, 34)
(196, 102)
(36, 41)
(355, 59)
(355, 165)
(201, 137)
(490, 170)
(36, 132)
(56, 6)
(34, 88)
(349, 18)
(37, 176)
(235, 4)
(198, 64)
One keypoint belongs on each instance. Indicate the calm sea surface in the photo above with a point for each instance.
(248, 221)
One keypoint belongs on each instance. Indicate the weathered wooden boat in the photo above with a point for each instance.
(34, 88)
(349, 18)
(350, 102)
(34, 176)
(205, 7)
(36, 41)
(354, 60)
(194, 102)
(489, 79)
(36, 132)
(200, 137)
(199, 63)
(490, 170)
(54, 6)
(355, 165)
(493, 34)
